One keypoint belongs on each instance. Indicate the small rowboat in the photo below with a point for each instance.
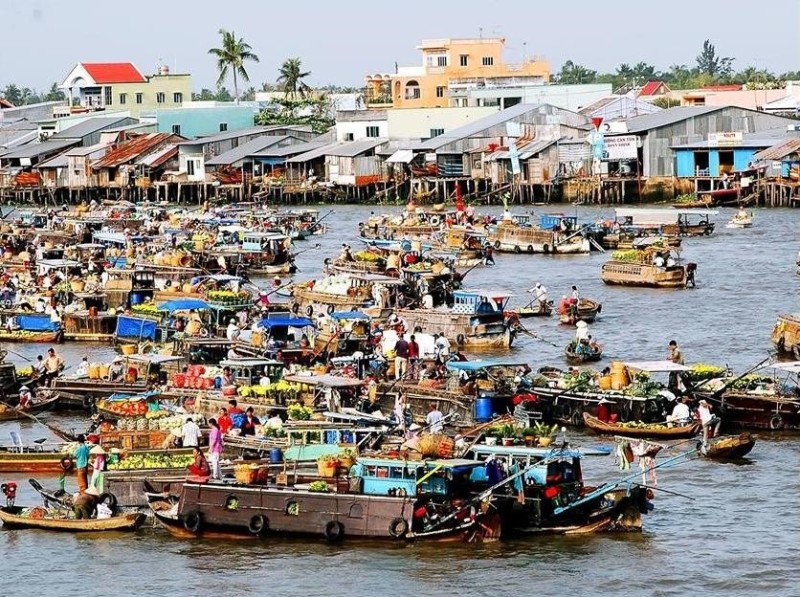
(538, 310)
(14, 517)
(8, 413)
(574, 356)
(729, 447)
(662, 431)
(587, 310)
(741, 219)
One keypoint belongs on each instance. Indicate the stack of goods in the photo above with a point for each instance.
(337, 285)
(199, 377)
(161, 421)
(436, 445)
(146, 461)
(124, 408)
(228, 297)
(148, 309)
(279, 392)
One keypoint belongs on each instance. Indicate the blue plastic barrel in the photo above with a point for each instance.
(218, 382)
(483, 409)
(275, 456)
(137, 298)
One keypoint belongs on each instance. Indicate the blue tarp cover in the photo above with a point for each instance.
(183, 305)
(294, 322)
(349, 315)
(134, 327)
(36, 323)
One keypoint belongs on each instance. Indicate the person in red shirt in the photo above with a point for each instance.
(224, 421)
(413, 357)
(234, 409)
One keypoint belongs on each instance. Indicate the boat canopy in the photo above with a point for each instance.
(58, 263)
(185, 304)
(331, 381)
(153, 359)
(656, 366)
(286, 320)
(349, 315)
(234, 363)
(523, 451)
(792, 367)
(478, 365)
(659, 217)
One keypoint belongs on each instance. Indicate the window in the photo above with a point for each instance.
(223, 126)
(348, 136)
(177, 97)
(487, 61)
(189, 163)
(123, 99)
(373, 131)
(108, 99)
(463, 60)
(160, 97)
(176, 129)
(437, 132)
(440, 92)
(139, 98)
(441, 61)
(412, 90)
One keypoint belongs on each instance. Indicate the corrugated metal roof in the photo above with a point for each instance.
(246, 149)
(351, 149)
(89, 127)
(293, 149)
(312, 154)
(157, 158)
(32, 150)
(646, 122)
(132, 149)
(765, 138)
(253, 130)
(779, 151)
(59, 161)
(84, 151)
(480, 125)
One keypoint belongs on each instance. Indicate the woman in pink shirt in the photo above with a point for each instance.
(215, 448)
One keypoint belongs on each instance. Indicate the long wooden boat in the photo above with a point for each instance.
(13, 518)
(12, 414)
(729, 447)
(84, 327)
(623, 273)
(538, 310)
(511, 237)
(654, 431)
(26, 336)
(751, 410)
(56, 461)
(587, 310)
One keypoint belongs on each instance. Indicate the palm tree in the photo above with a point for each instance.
(291, 78)
(232, 56)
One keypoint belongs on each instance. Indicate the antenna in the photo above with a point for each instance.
(480, 32)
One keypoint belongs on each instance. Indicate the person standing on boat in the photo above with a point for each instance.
(675, 355)
(99, 464)
(575, 294)
(81, 456)
(53, 364)
(441, 346)
(215, 448)
(224, 421)
(708, 420)
(434, 419)
(401, 355)
(539, 295)
(191, 434)
(488, 254)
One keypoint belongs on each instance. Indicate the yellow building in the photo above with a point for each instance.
(449, 68)
(120, 86)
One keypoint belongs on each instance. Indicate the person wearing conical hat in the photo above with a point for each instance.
(98, 464)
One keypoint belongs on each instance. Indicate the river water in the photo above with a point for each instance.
(736, 534)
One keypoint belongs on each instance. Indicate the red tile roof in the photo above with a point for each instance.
(113, 72)
(4, 103)
(651, 87)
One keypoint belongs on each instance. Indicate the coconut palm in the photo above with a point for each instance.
(231, 57)
(291, 78)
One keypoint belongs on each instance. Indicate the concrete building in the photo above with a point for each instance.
(199, 119)
(448, 66)
(105, 85)
(618, 107)
(568, 97)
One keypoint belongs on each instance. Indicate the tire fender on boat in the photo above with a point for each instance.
(295, 308)
(460, 340)
(546, 248)
(517, 249)
(530, 249)
(109, 499)
(576, 419)
(309, 311)
(258, 525)
(67, 464)
(334, 531)
(497, 244)
(398, 528)
(776, 422)
(330, 309)
(193, 521)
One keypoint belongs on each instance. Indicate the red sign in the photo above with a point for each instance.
(597, 121)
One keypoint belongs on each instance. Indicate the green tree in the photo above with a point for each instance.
(205, 95)
(249, 94)
(54, 94)
(291, 78)
(679, 76)
(317, 112)
(575, 74)
(709, 63)
(666, 102)
(223, 95)
(231, 57)
(13, 94)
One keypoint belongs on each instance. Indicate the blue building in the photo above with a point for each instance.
(198, 119)
(722, 154)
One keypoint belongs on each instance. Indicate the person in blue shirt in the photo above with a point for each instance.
(81, 456)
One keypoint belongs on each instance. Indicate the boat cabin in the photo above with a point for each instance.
(479, 302)
(248, 371)
(330, 391)
(387, 476)
(671, 222)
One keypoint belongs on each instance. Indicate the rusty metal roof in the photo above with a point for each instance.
(778, 151)
(133, 149)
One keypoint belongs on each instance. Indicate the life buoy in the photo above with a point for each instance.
(576, 419)
(330, 309)
(435, 220)
(776, 422)
(192, 521)
(258, 525)
(530, 249)
(334, 531)
(67, 464)
(546, 248)
(460, 339)
(109, 499)
(295, 308)
(398, 528)
(517, 249)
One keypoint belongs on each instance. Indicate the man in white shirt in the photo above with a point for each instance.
(191, 434)
(539, 293)
(233, 330)
(658, 261)
(680, 413)
(441, 346)
(709, 421)
(435, 419)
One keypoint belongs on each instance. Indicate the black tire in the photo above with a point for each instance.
(398, 528)
(497, 244)
(330, 309)
(518, 249)
(334, 531)
(67, 464)
(193, 521)
(295, 308)
(309, 311)
(530, 249)
(546, 248)
(109, 499)
(776, 423)
(258, 525)
(460, 339)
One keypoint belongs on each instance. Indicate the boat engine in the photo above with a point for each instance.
(10, 491)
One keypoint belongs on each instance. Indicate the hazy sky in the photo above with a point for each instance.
(339, 41)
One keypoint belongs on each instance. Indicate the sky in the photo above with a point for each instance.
(341, 41)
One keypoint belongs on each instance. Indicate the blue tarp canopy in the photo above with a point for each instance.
(36, 323)
(293, 322)
(349, 315)
(135, 327)
(477, 365)
(183, 305)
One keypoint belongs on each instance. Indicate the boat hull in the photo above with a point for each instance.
(468, 331)
(598, 426)
(729, 447)
(127, 522)
(621, 273)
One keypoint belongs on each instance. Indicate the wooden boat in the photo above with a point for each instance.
(728, 447)
(623, 273)
(538, 310)
(654, 431)
(669, 222)
(82, 326)
(27, 336)
(517, 235)
(587, 310)
(786, 335)
(14, 517)
(741, 219)
(574, 356)
(56, 461)
(8, 413)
